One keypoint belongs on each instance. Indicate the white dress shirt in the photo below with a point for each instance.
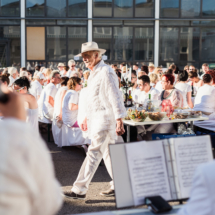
(202, 196)
(27, 180)
(36, 89)
(44, 107)
(141, 97)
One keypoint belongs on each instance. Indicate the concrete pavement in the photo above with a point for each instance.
(67, 163)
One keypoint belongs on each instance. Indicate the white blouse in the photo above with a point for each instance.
(205, 99)
(69, 117)
(57, 106)
(184, 89)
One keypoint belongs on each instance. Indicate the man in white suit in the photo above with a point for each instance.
(202, 196)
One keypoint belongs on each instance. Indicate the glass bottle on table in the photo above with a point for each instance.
(149, 106)
(193, 93)
(129, 102)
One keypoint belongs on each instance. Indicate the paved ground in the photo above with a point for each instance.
(67, 162)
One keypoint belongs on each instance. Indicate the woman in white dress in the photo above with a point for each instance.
(22, 86)
(185, 89)
(57, 115)
(71, 133)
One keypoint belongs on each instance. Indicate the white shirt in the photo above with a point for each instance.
(184, 88)
(70, 73)
(159, 86)
(141, 97)
(104, 102)
(28, 184)
(11, 81)
(205, 99)
(43, 105)
(202, 196)
(69, 117)
(57, 106)
(36, 89)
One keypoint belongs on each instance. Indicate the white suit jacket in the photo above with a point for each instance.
(202, 196)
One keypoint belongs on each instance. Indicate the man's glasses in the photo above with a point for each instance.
(73, 65)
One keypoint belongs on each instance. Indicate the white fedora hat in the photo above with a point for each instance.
(90, 46)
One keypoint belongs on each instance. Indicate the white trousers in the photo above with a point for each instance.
(97, 150)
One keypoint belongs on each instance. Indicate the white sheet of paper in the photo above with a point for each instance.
(148, 172)
(190, 152)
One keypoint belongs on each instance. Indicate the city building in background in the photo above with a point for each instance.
(47, 32)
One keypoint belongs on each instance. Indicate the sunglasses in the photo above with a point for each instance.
(18, 89)
(79, 83)
(73, 65)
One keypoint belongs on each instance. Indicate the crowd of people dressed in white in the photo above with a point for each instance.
(86, 108)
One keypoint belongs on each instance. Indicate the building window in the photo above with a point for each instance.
(208, 8)
(103, 36)
(186, 8)
(56, 42)
(169, 8)
(180, 45)
(144, 44)
(76, 36)
(123, 8)
(77, 8)
(190, 8)
(144, 8)
(102, 8)
(126, 43)
(10, 46)
(208, 44)
(35, 8)
(169, 44)
(56, 8)
(10, 8)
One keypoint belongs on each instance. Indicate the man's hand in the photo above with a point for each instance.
(83, 125)
(119, 127)
(59, 117)
(14, 107)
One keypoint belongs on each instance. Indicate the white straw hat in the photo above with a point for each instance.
(40, 75)
(90, 46)
(60, 64)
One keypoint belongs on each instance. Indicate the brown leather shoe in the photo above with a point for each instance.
(72, 195)
(108, 193)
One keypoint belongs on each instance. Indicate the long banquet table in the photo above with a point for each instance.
(148, 121)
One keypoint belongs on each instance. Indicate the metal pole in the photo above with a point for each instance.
(156, 33)
(90, 22)
(23, 49)
(128, 133)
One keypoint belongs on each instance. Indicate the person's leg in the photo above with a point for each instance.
(165, 128)
(91, 162)
(107, 161)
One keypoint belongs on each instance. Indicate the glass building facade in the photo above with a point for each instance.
(47, 32)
